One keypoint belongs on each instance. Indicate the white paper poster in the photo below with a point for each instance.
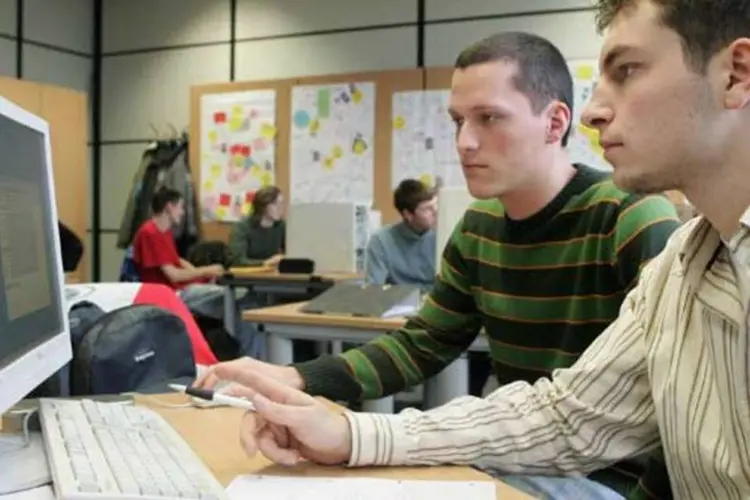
(423, 140)
(332, 143)
(238, 145)
(583, 143)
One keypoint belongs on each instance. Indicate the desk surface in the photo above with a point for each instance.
(266, 273)
(291, 315)
(213, 435)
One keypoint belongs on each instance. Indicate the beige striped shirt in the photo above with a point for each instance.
(673, 365)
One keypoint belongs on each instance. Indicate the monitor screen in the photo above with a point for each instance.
(31, 306)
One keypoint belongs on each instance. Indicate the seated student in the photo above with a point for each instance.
(154, 249)
(261, 237)
(404, 252)
(542, 264)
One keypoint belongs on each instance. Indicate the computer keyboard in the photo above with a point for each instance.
(113, 451)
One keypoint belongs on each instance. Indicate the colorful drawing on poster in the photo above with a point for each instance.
(238, 139)
(331, 143)
(583, 143)
(423, 144)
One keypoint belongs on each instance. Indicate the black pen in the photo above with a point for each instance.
(216, 397)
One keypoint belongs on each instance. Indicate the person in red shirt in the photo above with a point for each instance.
(154, 249)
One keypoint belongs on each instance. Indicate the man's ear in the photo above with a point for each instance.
(559, 116)
(737, 93)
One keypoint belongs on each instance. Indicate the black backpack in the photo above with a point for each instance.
(207, 253)
(81, 317)
(138, 348)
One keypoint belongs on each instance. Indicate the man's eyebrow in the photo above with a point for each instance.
(613, 54)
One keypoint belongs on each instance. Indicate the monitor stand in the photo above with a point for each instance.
(22, 466)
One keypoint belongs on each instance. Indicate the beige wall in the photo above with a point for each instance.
(154, 51)
(57, 45)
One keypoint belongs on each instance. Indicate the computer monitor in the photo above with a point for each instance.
(34, 333)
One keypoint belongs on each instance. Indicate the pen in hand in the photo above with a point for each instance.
(214, 396)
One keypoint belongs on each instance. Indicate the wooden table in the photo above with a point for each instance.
(286, 323)
(269, 283)
(213, 433)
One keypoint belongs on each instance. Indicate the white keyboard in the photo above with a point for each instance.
(100, 451)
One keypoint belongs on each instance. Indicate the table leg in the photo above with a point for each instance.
(382, 405)
(447, 385)
(280, 349)
(230, 312)
(337, 347)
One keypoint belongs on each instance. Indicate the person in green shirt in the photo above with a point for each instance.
(541, 264)
(260, 238)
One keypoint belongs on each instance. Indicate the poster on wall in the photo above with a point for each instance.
(583, 142)
(237, 151)
(332, 143)
(423, 142)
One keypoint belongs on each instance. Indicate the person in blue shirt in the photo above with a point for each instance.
(404, 253)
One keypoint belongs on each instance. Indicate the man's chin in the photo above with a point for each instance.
(634, 180)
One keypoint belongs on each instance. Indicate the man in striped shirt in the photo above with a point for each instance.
(542, 265)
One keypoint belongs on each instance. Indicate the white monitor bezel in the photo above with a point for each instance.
(24, 374)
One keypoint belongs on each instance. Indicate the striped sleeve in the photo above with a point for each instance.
(586, 417)
(644, 224)
(446, 325)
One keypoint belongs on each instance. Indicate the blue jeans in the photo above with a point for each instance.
(208, 300)
(561, 488)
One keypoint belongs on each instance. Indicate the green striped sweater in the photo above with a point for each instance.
(542, 289)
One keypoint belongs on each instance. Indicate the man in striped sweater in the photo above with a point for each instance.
(542, 264)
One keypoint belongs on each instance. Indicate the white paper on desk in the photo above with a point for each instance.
(314, 488)
(41, 493)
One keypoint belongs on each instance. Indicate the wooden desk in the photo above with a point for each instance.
(291, 314)
(269, 283)
(213, 433)
(251, 271)
(286, 323)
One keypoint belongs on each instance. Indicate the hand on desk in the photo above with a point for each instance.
(273, 261)
(284, 374)
(288, 425)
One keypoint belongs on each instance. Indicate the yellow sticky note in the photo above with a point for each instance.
(328, 163)
(357, 96)
(399, 123)
(359, 147)
(593, 137)
(246, 209)
(268, 131)
(237, 110)
(208, 186)
(256, 171)
(266, 179)
(584, 72)
(426, 179)
(238, 160)
(337, 152)
(216, 170)
(314, 125)
(213, 136)
(221, 213)
(235, 123)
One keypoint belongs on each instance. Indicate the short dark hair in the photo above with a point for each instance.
(543, 74)
(163, 197)
(263, 197)
(410, 193)
(704, 26)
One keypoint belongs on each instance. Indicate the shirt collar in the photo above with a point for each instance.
(703, 242)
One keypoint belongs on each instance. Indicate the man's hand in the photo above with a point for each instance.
(286, 375)
(288, 425)
(273, 261)
(213, 271)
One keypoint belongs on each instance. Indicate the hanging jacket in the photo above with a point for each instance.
(163, 164)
